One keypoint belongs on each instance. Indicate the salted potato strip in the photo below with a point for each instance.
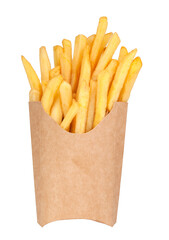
(85, 72)
(66, 96)
(34, 95)
(101, 29)
(73, 123)
(65, 67)
(119, 78)
(107, 55)
(91, 106)
(90, 41)
(50, 93)
(80, 44)
(45, 67)
(111, 68)
(80, 123)
(122, 54)
(101, 96)
(104, 43)
(83, 100)
(66, 64)
(54, 72)
(130, 79)
(57, 50)
(32, 76)
(56, 110)
(67, 48)
(65, 124)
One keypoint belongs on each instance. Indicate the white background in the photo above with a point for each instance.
(144, 197)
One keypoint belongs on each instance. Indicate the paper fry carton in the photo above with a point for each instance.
(77, 176)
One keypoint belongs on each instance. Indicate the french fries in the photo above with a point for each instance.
(65, 124)
(91, 106)
(122, 54)
(101, 29)
(107, 55)
(67, 48)
(90, 40)
(34, 95)
(78, 93)
(57, 51)
(54, 72)
(119, 78)
(65, 67)
(101, 96)
(85, 73)
(111, 68)
(83, 100)
(32, 76)
(45, 67)
(80, 44)
(66, 96)
(56, 110)
(130, 79)
(50, 93)
(66, 60)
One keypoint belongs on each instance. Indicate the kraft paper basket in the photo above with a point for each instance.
(77, 176)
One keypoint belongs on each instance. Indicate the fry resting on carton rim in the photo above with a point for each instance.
(78, 91)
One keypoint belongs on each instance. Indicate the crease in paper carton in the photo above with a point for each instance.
(77, 176)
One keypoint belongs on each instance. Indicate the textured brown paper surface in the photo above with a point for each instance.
(77, 176)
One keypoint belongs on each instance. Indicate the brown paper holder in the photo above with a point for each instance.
(77, 176)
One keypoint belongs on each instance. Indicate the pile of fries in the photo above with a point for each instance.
(77, 93)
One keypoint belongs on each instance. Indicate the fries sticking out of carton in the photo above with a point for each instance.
(79, 90)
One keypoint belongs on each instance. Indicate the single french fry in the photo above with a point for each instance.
(107, 55)
(54, 72)
(83, 100)
(56, 110)
(73, 124)
(111, 68)
(85, 73)
(34, 95)
(80, 44)
(101, 29)
(91, 107)
(57, 50)
(50, 93)
(122, 54)
(32, 76)
(119, 78)
(44, 85)
(66, 96)
(90, 40)
(104, 43)
(67, 48)
(45, 67)
(65, 67)
(101, 96)
(65, 124)
(130, 79)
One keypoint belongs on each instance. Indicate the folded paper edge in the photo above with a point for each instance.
(92, 131)
(76, 218)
